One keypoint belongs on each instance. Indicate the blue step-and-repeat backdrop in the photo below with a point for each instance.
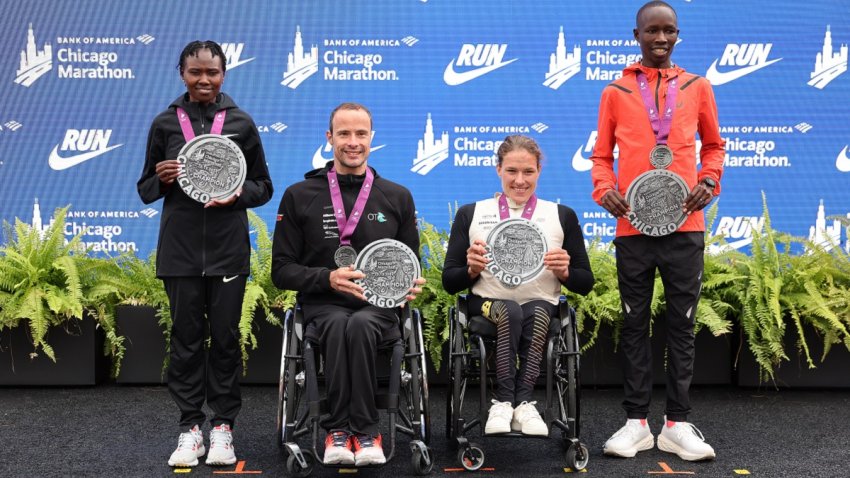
(446, 80)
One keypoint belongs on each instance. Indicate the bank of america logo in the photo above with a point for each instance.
(483, 58)
(11, 125)
(562, 65)
(146, 39)
(300, 65)
(803, 127)
(409, 40)
(279, 127)
(431, 151)
(747, 57)
(539, 127)
(828, 64)
(149, 212)
(233, 52)
(34, 62)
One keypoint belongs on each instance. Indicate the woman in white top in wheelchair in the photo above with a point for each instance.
(521, 314)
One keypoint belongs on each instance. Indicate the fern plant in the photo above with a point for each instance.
(40, 282)
(434, 302)
(260, 291)
(136, 284)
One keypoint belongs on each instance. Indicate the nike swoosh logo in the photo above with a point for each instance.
(319, 159)
(226, 279)
(453, 78)
(717, 78)
(238, 63)
(842, 162)
(59, 163)
(580, 163)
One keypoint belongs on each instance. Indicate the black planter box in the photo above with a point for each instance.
(264, 361)
(601, 364)
(833, 372)
(145, 345)
(78, 346)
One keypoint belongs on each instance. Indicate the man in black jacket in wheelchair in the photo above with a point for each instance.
(341, 206)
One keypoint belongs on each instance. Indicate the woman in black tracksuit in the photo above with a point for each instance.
(203, 254)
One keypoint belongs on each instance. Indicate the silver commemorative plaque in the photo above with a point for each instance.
(656, 199)
(345, 256)
(661, 156)
(212, 167)
(515, 248)
(391, 269)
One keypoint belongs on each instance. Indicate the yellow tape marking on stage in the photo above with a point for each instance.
(240, 470)
(570, 470)
(666, 470)
(348, 470)
(182, 470)
(742, 472)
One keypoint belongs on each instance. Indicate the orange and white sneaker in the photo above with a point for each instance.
(190, 447)
(368, 450)
(221, 446)
(338, 448)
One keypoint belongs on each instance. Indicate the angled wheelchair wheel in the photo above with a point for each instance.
(287, 391)
(417, 394)
(577, 456)
(471, 458)
(454, 400)
(295, 468)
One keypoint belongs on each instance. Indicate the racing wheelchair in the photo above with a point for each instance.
(403, 392)
(471, 338)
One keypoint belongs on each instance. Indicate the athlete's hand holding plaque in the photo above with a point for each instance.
(515, 250)
(390, 270)
(212, 168)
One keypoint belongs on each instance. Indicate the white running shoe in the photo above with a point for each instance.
(685, 440)
(221, 446)
(635, 436)
(190, 447)
(499, 419)
(527, 420)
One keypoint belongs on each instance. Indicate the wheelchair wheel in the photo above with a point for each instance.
(421, 463)
(456, 381)
(577, 456)
(287, 392)
(471, 458)
(421, 396)
(294, 468)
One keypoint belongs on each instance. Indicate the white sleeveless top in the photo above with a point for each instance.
(546, 286)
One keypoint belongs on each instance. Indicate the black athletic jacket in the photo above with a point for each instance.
(194, 241)
(306, 235)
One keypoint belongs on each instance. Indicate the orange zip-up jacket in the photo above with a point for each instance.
(624, 121)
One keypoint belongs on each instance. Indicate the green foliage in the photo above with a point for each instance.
(260, 292)
(780, 287)
(434, 302)
(40, 282)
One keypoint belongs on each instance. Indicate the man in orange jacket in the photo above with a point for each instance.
(657, 195)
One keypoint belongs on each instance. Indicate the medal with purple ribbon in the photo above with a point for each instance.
(345, 255)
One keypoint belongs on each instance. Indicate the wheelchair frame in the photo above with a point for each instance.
(406, 399)
(468, 363)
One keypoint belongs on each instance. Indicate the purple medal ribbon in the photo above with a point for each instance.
(186, 124)
(660, 125)
(527, 210)
(347, 225)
